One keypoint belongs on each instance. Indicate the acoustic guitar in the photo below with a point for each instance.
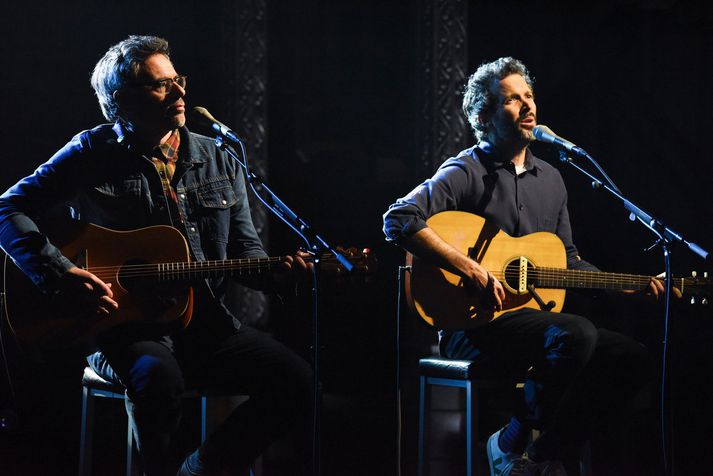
(150, 271)
(532, 269)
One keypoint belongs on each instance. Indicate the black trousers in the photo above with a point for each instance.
(575, 374)
(156, 370)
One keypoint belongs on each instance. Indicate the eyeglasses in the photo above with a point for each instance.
(164, 86)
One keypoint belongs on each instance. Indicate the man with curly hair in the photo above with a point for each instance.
(574, 372)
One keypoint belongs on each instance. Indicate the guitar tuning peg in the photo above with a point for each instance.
(693, 300)
(694, 274)
(705, 274)
(704, 301)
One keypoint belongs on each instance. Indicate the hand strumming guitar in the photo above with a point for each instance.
(425, 243)
(86, 292)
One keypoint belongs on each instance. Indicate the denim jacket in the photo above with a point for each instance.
(101, 177)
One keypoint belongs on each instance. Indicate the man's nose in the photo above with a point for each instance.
(528, 104)
(178, 91)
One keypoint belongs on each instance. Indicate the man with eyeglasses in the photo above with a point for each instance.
(147, 169)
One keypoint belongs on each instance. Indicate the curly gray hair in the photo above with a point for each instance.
(119, 66)
(478, 98)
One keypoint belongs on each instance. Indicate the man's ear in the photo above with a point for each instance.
(122, 99)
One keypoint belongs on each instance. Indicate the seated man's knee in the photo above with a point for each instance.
(571, 339)
(154, 379)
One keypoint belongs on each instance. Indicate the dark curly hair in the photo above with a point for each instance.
(478, 98)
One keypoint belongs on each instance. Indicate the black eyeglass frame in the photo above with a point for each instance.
(166, 83)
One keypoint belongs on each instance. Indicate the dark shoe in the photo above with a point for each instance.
(192, 466)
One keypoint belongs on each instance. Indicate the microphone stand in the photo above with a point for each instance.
(317, 246)
(667, 238)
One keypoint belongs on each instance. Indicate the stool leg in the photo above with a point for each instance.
(87, 433)
(585, 459)
(204, 418)
(471, 437)
(424, 395)
(129, 449)
(133, 460)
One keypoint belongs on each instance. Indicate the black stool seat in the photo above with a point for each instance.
(448, 368)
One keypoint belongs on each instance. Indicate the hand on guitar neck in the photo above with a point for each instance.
(293, 268)
(656, 288)
(88, 294)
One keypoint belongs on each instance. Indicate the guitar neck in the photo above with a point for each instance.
(569, 278)
(203, 269)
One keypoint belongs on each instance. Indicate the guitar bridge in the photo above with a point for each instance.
(522, 281)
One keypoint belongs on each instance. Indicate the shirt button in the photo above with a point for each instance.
(193, 230)
(183, 196)
(225, 202)
(521, 207)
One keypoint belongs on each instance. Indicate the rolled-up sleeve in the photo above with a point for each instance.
(442, 192)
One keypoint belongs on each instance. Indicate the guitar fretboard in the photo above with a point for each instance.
(568, 278)
(202, 269)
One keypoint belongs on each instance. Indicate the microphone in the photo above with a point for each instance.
(203, 117)
(544, 134)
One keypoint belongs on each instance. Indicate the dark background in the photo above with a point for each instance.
(629, 81)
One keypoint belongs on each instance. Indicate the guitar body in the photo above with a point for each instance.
(445, 301)
(46, 322)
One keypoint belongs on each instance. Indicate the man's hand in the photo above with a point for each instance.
(491, 290)
(656, 288)
(426, 244)
(298, 265)
(89, 294)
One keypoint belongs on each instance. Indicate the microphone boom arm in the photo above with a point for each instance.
(662, 231)
(315, 243)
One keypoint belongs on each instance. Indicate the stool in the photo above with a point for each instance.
(451, 373)
(95, 386)
(461, 374)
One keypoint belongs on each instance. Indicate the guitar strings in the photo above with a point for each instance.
(193, 267)
(566, 278)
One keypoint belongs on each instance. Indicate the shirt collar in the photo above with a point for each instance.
(489, 155)
(169, 149)
(128, 139)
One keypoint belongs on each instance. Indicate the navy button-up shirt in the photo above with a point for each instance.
(476, 181)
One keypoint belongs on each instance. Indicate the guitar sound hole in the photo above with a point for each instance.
(137, 277)
(140, 280)
(512, 275)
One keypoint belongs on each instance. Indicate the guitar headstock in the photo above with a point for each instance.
(363, 260)
(698, 288)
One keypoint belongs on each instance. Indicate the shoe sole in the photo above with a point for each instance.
(490, 453)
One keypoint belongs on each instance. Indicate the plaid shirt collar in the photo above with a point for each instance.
(169, 149)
